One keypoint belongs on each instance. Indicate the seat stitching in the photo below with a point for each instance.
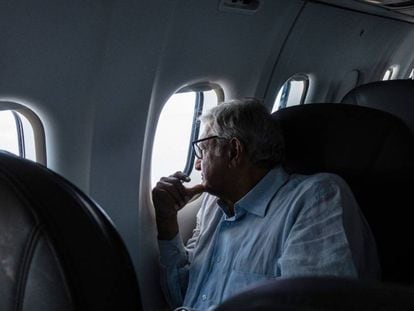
(24, 269)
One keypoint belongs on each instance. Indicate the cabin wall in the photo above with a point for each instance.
(87, 69)
(98, 73)
(328, 43)
(50, 54)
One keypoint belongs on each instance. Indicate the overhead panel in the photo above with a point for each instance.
(239, 6)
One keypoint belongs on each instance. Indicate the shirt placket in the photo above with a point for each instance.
(215, 259)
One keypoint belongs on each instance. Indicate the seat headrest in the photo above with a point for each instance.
(393, 96)
(345, 139)
(58, 243)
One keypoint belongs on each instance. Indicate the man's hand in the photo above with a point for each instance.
(169, 196)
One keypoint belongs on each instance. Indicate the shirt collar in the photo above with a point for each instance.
(258, 198)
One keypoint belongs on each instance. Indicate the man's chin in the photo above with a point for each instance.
(209, 189)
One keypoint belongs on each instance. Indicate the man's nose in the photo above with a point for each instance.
(197, 165)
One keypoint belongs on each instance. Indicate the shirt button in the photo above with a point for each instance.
(218, 259)
(204, 297)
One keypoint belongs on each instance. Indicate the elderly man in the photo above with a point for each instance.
(256, 222)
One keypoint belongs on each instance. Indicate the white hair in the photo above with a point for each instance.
(249, 121)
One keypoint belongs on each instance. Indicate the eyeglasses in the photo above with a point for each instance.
(198, 151)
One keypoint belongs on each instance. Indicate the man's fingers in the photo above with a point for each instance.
(173, 184)
(197, 189)
(175, 190)
(181, 176)
(164, 203)
(174, 193)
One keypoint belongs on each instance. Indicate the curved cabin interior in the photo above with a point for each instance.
(107, 93)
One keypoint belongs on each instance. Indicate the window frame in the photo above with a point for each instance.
(388, 74)
(195, 131)
(199, 89)
(20, 134)
(36, 124)
(411, 75)
(392, 71)
(285, 88)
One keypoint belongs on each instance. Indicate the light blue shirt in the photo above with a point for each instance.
(286, 226)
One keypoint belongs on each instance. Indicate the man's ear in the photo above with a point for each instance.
(236, 152)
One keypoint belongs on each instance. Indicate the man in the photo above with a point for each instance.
(256, 222)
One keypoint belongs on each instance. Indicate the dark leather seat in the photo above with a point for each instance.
(394, 96)
(58, 249)
(322, 294)
(374, 152)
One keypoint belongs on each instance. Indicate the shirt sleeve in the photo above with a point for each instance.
(317, 244)
(175, 261)
(173, 264)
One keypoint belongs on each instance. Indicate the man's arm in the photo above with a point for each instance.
(169, 196)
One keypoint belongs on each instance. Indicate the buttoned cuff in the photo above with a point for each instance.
(172, 251)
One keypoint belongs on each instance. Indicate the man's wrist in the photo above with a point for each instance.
(167, 228)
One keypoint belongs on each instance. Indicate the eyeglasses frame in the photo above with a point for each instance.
(196, 147)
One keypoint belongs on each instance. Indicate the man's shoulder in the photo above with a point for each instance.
(318, 178)
(323, 182)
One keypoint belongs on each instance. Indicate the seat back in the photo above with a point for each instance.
(322, 293)
(374, 152)
(393, 96)
(58, 249)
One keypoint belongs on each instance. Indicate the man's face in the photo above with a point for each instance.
(213, 165)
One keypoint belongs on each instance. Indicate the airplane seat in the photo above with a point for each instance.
(58, 249)
(394, 96)
(323, 293)
(374, 152)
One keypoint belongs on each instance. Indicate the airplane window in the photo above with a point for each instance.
(391, 73)
(177, 127)
(16, 134)
(292, 92)
(210, 99)
(8, 132)
(388, 74)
